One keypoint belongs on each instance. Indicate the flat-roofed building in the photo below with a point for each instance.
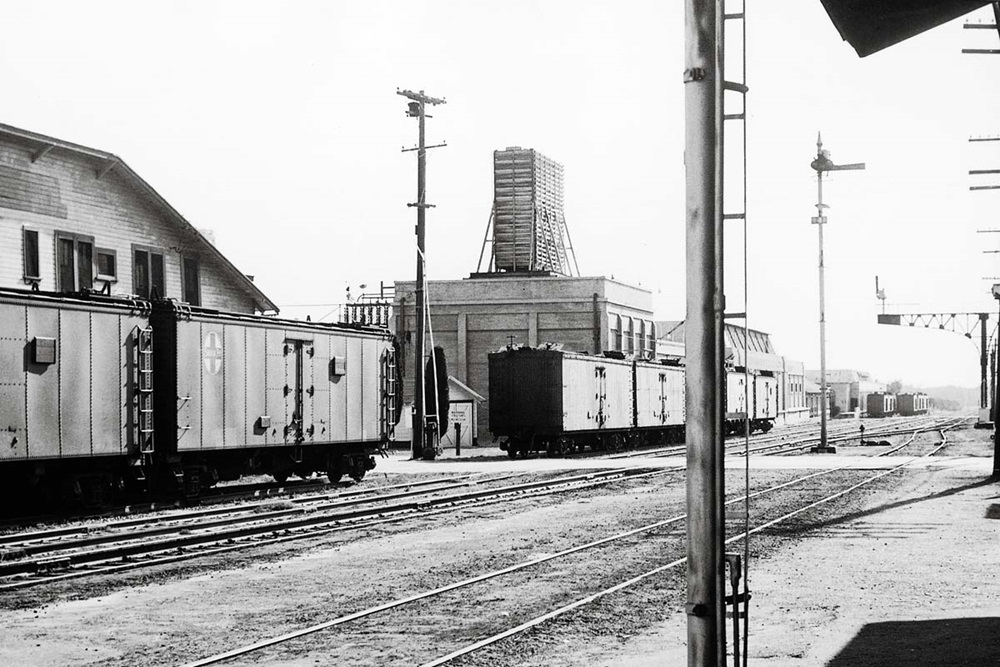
(472, 317)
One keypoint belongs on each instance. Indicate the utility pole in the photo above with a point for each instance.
(821, 164)
(416, 109)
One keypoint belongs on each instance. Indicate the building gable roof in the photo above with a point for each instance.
(106, 162)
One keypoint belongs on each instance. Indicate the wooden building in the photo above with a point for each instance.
(77, 219)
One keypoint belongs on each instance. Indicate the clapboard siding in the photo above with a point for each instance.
(61, 192)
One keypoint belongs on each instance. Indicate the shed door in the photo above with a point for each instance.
(458, 413)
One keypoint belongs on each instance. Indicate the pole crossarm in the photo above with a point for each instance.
(420, 97)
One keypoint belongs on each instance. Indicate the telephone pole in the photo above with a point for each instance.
(416, 108)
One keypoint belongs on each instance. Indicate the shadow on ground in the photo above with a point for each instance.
(940, 643)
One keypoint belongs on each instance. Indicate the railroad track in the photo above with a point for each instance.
(661, 540)
(29, 539)
(57, 557)
(801, 438)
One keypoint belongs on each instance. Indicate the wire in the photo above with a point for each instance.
(430, 332)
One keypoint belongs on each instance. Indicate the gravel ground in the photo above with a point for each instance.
(911, 556)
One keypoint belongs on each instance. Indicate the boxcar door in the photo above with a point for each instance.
(295, 390)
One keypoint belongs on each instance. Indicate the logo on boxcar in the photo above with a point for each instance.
(213, 353)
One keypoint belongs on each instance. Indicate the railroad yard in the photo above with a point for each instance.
(876, 555)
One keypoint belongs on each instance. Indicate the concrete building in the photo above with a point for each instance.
(756, 353)
(848, 389)
(78, 219)
(472, 317)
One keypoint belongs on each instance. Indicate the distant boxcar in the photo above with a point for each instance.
(763, 398)
(550, 400)
(881, 404)
(545, 399)
(913, 404)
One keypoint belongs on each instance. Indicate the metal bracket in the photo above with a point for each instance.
(698, 609)
(695, 74)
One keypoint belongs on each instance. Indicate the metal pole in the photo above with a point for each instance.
(983, 319)
(820, 164)
(996, 405)
(821, 220)
(706, 628)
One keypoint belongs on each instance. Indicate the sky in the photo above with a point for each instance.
(277, 126)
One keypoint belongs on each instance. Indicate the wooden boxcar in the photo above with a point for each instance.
(248, 393)
(550, 400)
(74, 399)
(104, 396)
(762, 399)
(913, 404)
(881, 404)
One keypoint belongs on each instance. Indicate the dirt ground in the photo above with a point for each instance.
(914, 579)
(904, 575)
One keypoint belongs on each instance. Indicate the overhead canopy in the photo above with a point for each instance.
(872, 25)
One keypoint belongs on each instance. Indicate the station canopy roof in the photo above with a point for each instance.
(872, 25)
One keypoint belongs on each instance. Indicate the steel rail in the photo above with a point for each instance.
(340, 500)
(844, 434)
(663, 568)
(311, 527)
(266, 643)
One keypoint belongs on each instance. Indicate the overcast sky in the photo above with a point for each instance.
(277, 126)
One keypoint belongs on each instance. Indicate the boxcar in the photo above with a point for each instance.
(881, 404)
(762, 398)
(549, 400)
(247, 393)
(72, 400)
(912, 404)
(104, 396)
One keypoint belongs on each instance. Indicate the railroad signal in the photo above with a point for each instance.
(823, 164)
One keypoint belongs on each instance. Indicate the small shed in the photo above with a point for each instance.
(463, 415)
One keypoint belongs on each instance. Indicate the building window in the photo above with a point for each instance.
(191, 277)
(147, 272)
(32, 273)
(74, 262)
(107, 264)
(616, 342)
